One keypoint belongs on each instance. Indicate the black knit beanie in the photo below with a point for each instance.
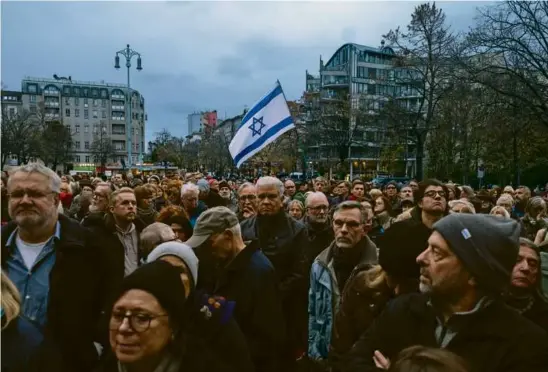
(399, 247)
(163, 281)
(487, 245)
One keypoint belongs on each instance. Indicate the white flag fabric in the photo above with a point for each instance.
(267, 120)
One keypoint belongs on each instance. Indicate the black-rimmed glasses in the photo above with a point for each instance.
(139, 322)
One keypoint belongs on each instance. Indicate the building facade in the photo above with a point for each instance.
(201, 123)
(367, 78)
(92, 111)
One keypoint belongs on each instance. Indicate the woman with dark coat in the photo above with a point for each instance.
(150, 326)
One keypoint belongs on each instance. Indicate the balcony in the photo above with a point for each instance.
(51, 104)
(118, 108)
(118, 118)
(331, 96)
(119, 132)
(343, 83)
(51, 92)
(50, 115)
(117, 96)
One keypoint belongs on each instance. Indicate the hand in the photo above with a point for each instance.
(380, 360)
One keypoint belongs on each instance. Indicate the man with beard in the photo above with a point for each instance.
(226, 193)
(99, 205)
(464, 270)
(522, 196)
(53, 262)
(248, 278)
(283, 240)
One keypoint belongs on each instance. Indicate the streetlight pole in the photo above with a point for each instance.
(129, 53)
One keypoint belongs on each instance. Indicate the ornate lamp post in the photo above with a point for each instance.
(129, 53)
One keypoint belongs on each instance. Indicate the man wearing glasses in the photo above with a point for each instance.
(431, 202)
(317, 221)
(247, 201)
(53, 262)
(347, 254)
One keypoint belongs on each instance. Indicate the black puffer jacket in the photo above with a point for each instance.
(494, 339)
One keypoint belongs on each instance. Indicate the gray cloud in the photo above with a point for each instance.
(196, 55)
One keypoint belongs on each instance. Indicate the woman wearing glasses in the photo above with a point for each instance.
(150, 326)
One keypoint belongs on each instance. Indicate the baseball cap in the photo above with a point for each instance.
(212, 221)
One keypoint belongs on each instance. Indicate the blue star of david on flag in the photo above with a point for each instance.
(253, 126)
(265, 122)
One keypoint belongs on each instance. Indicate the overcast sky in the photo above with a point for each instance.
(196, 55)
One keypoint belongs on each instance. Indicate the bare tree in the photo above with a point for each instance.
(507, 52)
(424, 64)
(19, 135)
(102, 149)
(54, 143)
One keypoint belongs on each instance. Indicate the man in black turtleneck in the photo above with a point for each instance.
(526, 292)
(283, 240)
(347, 254)
(317, 221)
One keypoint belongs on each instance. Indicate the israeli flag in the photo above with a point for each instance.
(267, 120)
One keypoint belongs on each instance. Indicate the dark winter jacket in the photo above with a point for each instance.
(76, 294)
(21, 340)
(493, 339)
(250, 281)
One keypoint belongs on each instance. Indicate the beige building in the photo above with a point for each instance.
(91, 110)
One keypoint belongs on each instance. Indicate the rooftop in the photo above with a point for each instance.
(75, 82)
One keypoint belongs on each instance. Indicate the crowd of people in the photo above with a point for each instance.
(186, 272)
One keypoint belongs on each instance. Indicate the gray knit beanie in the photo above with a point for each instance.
(487, 245)
(178, 249)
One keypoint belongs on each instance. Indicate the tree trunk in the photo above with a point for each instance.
(420, 157)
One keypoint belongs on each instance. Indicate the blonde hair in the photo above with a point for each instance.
(505, 198)
(468, 207)
(375, 193)
(122, 190)
(11, 300)
(500, 210)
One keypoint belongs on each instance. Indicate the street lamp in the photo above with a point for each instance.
(129, 53)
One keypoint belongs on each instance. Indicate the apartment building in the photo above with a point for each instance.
(91, 110)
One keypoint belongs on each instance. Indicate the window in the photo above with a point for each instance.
(86, 114)
(31, 88)
(77, 143)
(77, 101)
(104, 114)
(95, 114)
(104, 93)
(86, 128)
(66, 91)
(76, 158)
(95, 102)
(132, 131)
(77, 91)
(86, 145)
(85, 102)
(32, 98)
(87, 159)
(33, 109)
(103, 103)
(67, 126)
(85, 92)
(371, 89)
(77, 128)
(95, 128)
(76, 113)
(12, 112)
(94, 92)
(67, 113)
(67, 101)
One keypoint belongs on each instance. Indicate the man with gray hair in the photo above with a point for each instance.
(53, 262)
(317, 221)
(347, 254)
(248, 278)
(283, 240)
